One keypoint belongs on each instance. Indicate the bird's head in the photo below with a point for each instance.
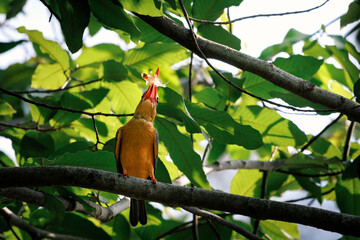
(148, 103)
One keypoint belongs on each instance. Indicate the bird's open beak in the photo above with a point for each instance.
(151, 93)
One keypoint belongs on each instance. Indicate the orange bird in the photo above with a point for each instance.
(136, 148)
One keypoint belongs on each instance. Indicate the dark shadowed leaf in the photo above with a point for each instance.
(5, 46)
(181, 152)
(75, 16)
(56, 208)
(35, 144)
(220, 35)
(352, 15)
(211, 9)
(114, 71)
(14, 7)
(223, 128)
(113, 15)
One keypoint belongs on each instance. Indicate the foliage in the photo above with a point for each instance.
(78, 103)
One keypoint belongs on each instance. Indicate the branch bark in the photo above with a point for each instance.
(179, 196)
(268, 71)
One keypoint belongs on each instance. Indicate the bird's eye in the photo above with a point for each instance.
(157, 99)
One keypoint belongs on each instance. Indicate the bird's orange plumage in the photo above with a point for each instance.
(136, 148)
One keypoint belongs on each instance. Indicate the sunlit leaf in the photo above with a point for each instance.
(348, 195)
(181, 152)
(144, 7)
(99, 53)
(46, 46)
(48, 76)
(210, 97)
(273, 128)
(246, 183)
(280, 230)
(149, 34)
(6, 108)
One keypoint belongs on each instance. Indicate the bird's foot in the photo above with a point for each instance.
(153, 179)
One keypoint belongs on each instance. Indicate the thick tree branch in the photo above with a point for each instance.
(266, 70)
(35, 233)
(179, 196)
(103, 214)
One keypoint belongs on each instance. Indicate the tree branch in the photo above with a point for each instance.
(213, 217)
(179, 196)
(35, 233)
(260, 15)
(103, 214)
(268, 71)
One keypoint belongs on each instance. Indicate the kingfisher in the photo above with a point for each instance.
(136, 147)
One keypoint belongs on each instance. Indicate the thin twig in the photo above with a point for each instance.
(349, 134)
(312, 175)
(259, 15)
(59, 89)
(309, 197)
(213, 217)
(51, 10)
(37, 128)
(321, 133)
(62, 108)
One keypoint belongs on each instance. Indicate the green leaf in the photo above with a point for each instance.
(216, 150)
(66, 193)
(121, 227)
(75, 16)
(99, 160)
(18, 76)
(35, 144)
(314, 49)
(220, 35)
(149, 34)
(56, 208)
(181, 152)
(325, 148)
(143, 7)
(99, 53)
(273, 128)
(348, 195)
(211, 9)
(161, 173)
(223, 128)
(310, 185)
(114, 71)
(70, 226)
(210, 98)
(6, 108)
(113, 15)
(5, 46)
(14, 7)
(94, 26)
(46, 46)
(171, 105)
(352, 15)
(224, 89)
(328, 72)
(48, 76)
(280, 230)
(153, 55)
(290, 39)
(342, 56)
(71, 148)
(246, 183)
(124, 96)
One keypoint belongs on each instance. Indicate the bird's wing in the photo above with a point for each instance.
(156, 146)
(118, 150)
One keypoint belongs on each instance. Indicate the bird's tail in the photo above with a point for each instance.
(137, 212)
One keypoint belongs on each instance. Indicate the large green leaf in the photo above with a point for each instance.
(181, 152)
(280, 230)
(171, 104)
(153, 55)
(211, 9)
(49, 47)
(224, 89)
(211, 98)
(300, 66)
(290, 39)
(246, 183)
(220, 35)
(14, 8)
(99, 160)
(149, 34)
(113, 15)
(75, 16)
(114, 71)
(56, 208)
(35, 144)
(223, 128)
(273, 128)
(352, 15)
(48, 76)
(348, 195)
(124, 96)
(143, 7)
(99, 53)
